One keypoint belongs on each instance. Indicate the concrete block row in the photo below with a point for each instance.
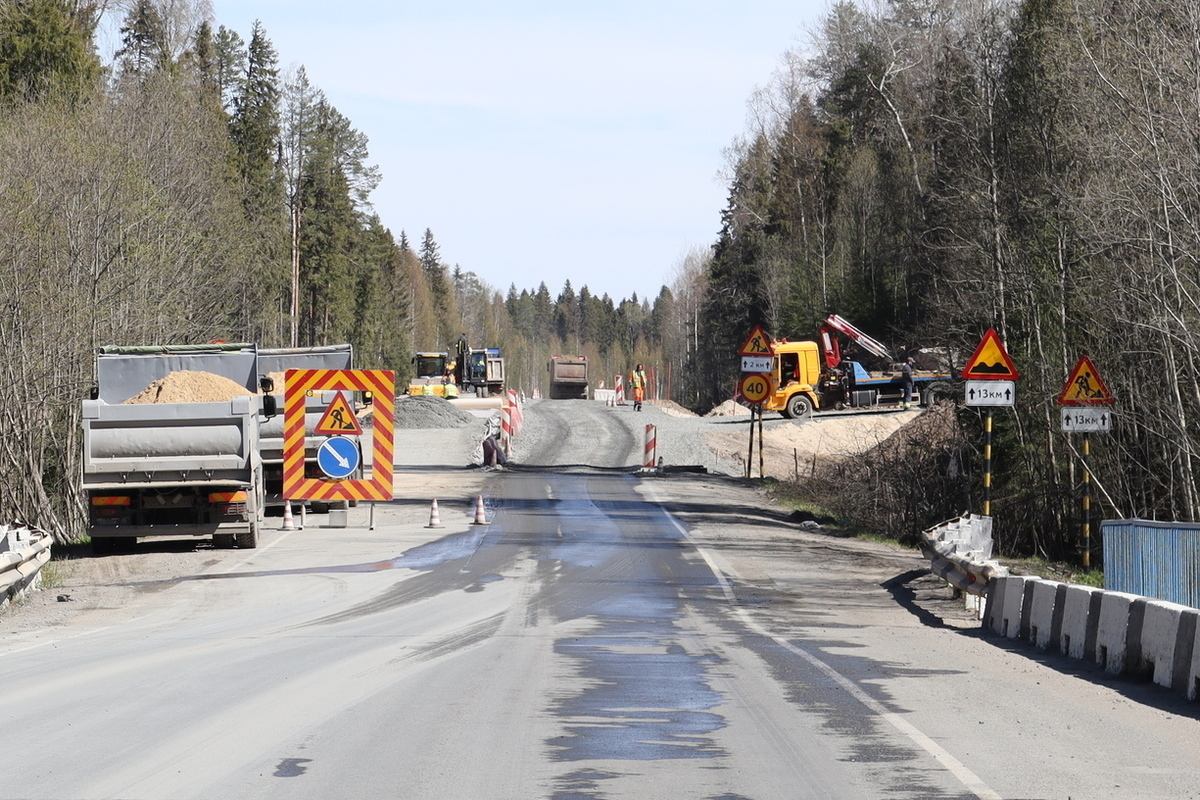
(1125, 634)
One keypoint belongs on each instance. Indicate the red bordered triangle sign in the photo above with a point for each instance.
(990, 361)
(1085, 387)
(758, 343)
(338, 419)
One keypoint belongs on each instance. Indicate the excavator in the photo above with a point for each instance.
(809, 377)
(477, 375)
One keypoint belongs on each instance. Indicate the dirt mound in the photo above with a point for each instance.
(673, 409)
(729, 408)
(430, 412)
(792, 448)
(187, 386)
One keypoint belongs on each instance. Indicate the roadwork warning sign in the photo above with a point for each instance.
(1085, 387)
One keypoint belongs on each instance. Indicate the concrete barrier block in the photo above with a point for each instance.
(1076, 616)
(1183, 670)
(1191, 676)
(1014, 612)
(1042, 612)
(993, 615)
(1156, 646)
(1113, 629)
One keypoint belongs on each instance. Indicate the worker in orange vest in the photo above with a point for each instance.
(637, 379)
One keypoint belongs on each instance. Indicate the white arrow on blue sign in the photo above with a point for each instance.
(991, 393)
(338, 457)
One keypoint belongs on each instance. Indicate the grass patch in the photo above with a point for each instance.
(53, 575)
(1055, 571)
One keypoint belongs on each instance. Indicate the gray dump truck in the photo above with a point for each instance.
(173, 468)
(568, 378)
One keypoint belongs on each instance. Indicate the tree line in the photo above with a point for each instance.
(930, 169)
(187, 189)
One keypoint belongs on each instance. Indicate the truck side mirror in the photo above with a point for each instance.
(267, 384)
(94, 392)
(269, 407)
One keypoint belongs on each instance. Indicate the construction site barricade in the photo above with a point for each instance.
(1077, 615)
(1116, 610)
(1045, 611)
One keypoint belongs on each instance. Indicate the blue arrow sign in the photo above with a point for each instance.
(338, 457)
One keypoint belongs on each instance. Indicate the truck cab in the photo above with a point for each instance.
(795, 379)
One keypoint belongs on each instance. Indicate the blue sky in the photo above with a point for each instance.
(543, 141)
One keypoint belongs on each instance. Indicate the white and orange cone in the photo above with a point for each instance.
(435, 519)
(289, 524)
(480, 517)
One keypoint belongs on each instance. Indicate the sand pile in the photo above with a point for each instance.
(729, 408)
(187, 386)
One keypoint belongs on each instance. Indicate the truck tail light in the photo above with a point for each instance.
(229, 504)
(112, 501)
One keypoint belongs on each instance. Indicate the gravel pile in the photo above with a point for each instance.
(430, 412)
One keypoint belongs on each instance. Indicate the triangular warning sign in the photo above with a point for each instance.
(991, 361)
(756, 344)
(338, 419)
(1085, 387)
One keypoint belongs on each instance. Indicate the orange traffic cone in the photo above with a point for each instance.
(289, 524)
(480, 518)
(435, 519)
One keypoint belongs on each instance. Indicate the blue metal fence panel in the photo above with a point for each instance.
(1153, 559)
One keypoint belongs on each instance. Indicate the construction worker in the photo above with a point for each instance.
(451, 389)
(427, 389)
(637, 379)
(906, 373)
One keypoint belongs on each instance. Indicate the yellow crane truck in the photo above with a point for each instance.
(809, 377)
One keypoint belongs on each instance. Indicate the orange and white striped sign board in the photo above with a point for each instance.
(297, 384)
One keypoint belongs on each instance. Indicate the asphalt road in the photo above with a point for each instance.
(584, 644)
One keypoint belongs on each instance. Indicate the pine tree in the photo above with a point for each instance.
(47, 49)
(144, 48)
(439, 288)
(254, 128)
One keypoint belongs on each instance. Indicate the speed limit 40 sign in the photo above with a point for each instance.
(754, 387)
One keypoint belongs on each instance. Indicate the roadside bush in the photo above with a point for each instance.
(917, 477)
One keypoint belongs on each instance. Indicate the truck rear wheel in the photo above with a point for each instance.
(248, 540)
(936, 393)
(223, 541)
(798, 406)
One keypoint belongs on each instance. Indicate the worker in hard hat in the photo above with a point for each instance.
(451, 389)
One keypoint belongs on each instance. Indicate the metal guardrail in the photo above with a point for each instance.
(959, 552)
(27, 551)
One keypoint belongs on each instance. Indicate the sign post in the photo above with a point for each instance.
(991, 381)
(755, 386)
(1083, 392)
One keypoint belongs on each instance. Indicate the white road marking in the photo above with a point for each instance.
(960, 771)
